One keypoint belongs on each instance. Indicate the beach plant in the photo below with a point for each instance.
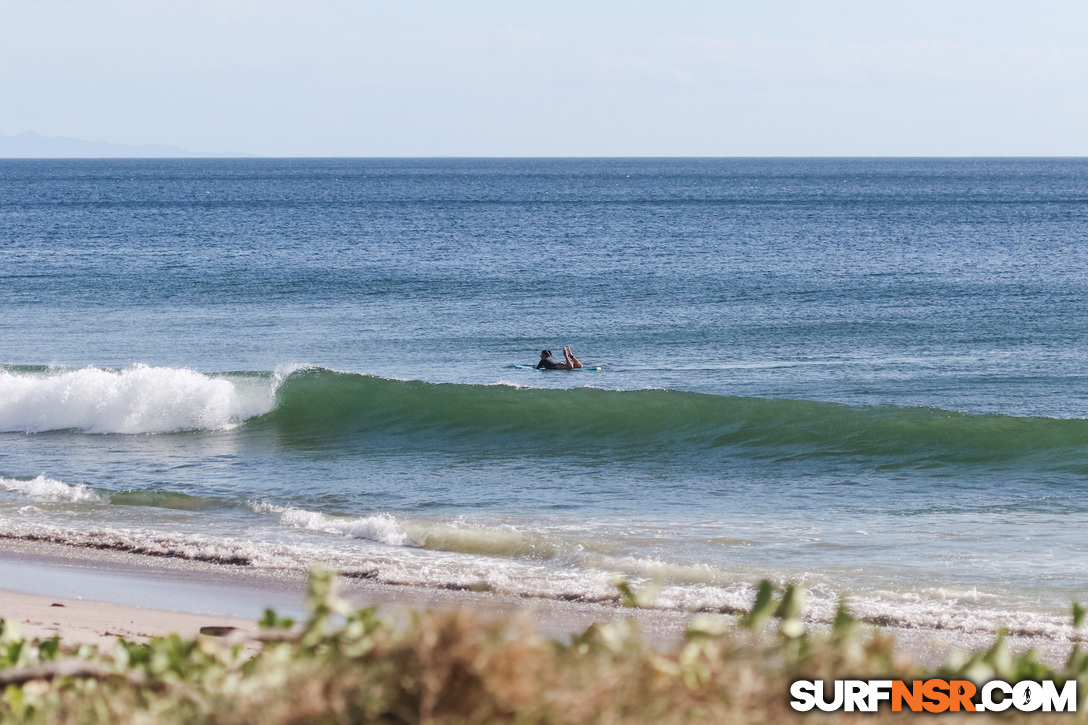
(347, 665)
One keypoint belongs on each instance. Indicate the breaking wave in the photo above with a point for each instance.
(139, 399)
(316, 406)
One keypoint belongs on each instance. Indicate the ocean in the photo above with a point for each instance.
(866, 376)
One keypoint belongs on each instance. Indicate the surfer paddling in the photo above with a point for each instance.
(547, 363)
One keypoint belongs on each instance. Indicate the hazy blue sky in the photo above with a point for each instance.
(548, 78)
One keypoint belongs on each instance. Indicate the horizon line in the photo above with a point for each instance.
(201, 156)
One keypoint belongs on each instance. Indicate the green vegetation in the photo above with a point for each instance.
(344, 666)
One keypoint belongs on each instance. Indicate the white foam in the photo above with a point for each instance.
(48, 489)
(381, 528)
(139, 399)
(406, 564)
(149, 542)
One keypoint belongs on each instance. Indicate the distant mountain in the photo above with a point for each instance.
(29, 145)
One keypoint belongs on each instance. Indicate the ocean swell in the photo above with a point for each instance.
(348, 412)
(322, 407)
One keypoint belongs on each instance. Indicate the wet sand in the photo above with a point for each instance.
(93, 596)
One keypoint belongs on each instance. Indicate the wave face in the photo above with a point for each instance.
(316, 406)
(319, 404)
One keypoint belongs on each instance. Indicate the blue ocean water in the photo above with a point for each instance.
(866, 375)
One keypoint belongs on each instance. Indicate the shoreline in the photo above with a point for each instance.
(92, 596)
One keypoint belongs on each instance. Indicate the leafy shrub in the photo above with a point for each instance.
(350, 666)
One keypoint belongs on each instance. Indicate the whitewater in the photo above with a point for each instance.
(864, 376)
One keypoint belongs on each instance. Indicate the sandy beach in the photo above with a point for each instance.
(77, 621)
(93, 596)
(106, 593)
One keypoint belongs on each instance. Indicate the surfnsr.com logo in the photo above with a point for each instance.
(933, 695)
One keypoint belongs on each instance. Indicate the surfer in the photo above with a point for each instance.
(569, 363)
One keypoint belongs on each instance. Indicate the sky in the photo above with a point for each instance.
(552, 78)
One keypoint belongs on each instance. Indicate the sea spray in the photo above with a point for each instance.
(139, 399)
(47, 489)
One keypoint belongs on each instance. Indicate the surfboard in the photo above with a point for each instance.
(533, 367)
